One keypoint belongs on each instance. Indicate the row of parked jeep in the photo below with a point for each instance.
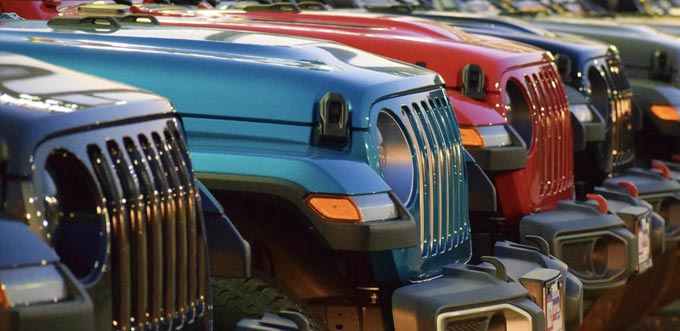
(416, 166)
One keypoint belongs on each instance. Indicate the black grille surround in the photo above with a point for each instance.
(155, 273)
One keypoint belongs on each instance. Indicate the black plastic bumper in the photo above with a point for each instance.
(500, 158)
(619, 203)
(519, 260)
(658, 191)
(573, 226)
(75, 314)
(586, 132)
(469, 290)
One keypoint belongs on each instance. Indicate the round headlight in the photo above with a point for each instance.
(73, 223)
(396, 159)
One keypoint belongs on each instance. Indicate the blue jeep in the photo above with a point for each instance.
(102, 226)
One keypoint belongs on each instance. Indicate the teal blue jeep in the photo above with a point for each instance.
(345, 171)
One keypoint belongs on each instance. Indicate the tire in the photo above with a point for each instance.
(235, 299)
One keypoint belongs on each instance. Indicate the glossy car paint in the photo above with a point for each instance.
(261, 135)
(435, 44)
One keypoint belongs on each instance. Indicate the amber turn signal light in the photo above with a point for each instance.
(4, 300)
(471, 137)
(335, 208)
(668, 113)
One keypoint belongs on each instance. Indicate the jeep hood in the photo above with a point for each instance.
(39, 100)
(240, 75)
(637, 44)
(430, 43)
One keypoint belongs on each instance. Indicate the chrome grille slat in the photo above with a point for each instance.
(458, 180)
(539, 123)
(137, 229)
(621, 113)
(427, 187)
(446, 168)
(168, 233)
(437, 137)
(152, 211)
(120, 252)
(431, 125)
(201, 253)
(552, 126)
(420, 164)
(448, 195)
(566, 171)
(191, 233)
(178, 193)
(150, 197)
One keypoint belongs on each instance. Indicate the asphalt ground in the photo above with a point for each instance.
(665, 319)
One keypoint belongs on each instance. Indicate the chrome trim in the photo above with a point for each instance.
(550, 112)
(494, 135)
(582, 112)
(168, 230)
(31, 285)
(376, 207)
(437, 146)
(191, 283)
(519, 321)
(560, 241)
(180, 271)
(120, 250)
(137, 233)
(150, 206)
(149, 192)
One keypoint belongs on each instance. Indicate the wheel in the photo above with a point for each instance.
(235, 299)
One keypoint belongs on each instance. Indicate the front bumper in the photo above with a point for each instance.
(76, 313)
(520, 261)
(597, 247)
(465, 296)
(663, 194)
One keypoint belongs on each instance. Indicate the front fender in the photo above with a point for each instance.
(292, 179)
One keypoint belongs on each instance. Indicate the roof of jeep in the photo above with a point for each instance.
(262, 76)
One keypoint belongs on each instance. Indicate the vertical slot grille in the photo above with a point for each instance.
(553, 129)
(621, 113)
(158, 253)
(432, 127)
